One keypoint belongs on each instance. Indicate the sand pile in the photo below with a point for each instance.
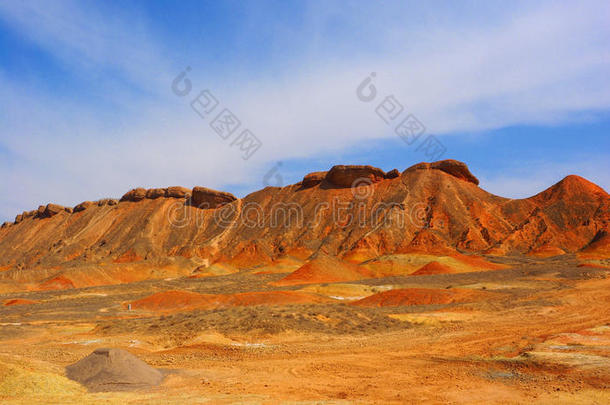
(113, 370)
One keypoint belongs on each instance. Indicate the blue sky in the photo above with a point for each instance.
(519, 91)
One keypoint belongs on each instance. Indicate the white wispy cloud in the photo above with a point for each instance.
(546, 64)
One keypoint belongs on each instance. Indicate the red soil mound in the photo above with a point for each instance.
(324, 269)
(418, 296)
(433, 268)
(18, 301)
(186, 300)
(57, 283)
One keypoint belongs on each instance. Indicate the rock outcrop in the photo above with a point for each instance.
(138, 194)
(204, 197)
(392, 174)
(155, 193)
(52, 210)
(83, 206)
(313, 179)
(453, 167)
(348, 175)
(178, 192)
(107, 201)
(135, 195)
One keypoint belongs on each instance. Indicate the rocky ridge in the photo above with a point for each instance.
(432, 208)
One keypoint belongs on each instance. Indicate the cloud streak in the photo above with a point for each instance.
(546, 65)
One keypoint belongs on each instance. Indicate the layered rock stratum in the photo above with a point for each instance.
(354, 213)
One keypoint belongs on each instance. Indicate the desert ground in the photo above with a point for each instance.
(532, 330)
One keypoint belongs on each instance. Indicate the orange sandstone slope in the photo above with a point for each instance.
(354, 212)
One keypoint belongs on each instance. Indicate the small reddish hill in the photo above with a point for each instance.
(57, 283)
(324, 269)
(171, 301)
(419, 296)
(433, 268)
(571, 188)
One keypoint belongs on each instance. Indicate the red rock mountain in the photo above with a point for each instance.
(349, 211)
